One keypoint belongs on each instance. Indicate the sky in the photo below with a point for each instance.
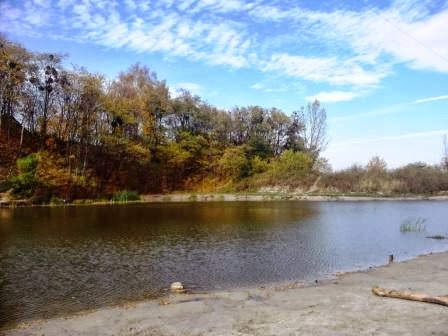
(380, 68)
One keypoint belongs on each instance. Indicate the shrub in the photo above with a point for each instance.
(258, 165)
(28, 164)
(26, 182)
(125, 196)
(292, 165)
(234, 163)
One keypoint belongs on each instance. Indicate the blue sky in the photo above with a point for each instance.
(379, 67)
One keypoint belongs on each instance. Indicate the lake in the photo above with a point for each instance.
(56, 260)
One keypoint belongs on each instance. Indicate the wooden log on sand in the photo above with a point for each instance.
(406, 295)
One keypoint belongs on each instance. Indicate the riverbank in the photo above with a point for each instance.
(234, 197)
(343, 305)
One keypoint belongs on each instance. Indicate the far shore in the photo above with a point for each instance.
(342, 305)
(233, 197)
(236, 197)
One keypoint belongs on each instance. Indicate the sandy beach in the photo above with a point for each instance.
(343, 305)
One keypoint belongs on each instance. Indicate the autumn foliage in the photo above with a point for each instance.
(90, 137)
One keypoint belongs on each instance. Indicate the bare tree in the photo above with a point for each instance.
(314, 120)
(445, 154)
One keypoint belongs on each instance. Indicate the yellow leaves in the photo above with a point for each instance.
(233, 162)
(175, 155)
(292, 165)
(53, 171)
(141, 152)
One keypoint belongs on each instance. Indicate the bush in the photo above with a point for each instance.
(419, 178)
(125, 196)
(26, 182)
(292, 166)
(28, 164)
(234, 163)
(258, 165)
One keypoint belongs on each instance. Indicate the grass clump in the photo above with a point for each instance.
(125, 196)
(413, 225)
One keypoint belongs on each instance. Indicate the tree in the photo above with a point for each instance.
(445, 153)
(292, 165)
(376, 166)
(294, 140)
(13, 70)
(234, 163)
(314, 121)
(45, 78)
(129, 133)
(279, 124)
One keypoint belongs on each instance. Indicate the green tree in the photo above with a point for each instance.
(292, 165)
(234, 163)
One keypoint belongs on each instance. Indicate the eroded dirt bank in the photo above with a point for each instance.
(343, 306)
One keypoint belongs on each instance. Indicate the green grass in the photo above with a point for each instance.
(125, 196)
(413, 225)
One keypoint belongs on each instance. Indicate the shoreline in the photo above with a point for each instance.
(341, 304)
(233, 197)
(260, 197)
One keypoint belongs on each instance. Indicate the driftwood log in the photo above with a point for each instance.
(406, 295)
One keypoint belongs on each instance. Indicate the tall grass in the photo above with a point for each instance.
(413, 225)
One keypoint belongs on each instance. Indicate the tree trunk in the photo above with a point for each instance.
(406, 295)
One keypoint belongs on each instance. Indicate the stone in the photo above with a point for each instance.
(177, 287)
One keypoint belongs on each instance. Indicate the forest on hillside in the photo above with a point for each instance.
(70, 134)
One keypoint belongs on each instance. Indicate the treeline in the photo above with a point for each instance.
(67, 134)
(92, 137)
(376, 178)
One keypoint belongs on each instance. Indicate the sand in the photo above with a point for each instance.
(344, 305)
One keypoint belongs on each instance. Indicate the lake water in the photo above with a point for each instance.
(66, 259)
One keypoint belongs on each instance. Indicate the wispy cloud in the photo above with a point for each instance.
(405, 32)
(333, 96)
(272, 85)
(330, 70)
(430, 99)
(350, 50)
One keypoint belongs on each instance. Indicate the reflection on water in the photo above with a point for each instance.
(55, 260)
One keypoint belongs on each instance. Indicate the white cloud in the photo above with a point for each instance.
(405, 32)
(330, 69)
(333, 96)
(257, 86)
(430, 99)
(350, 50)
